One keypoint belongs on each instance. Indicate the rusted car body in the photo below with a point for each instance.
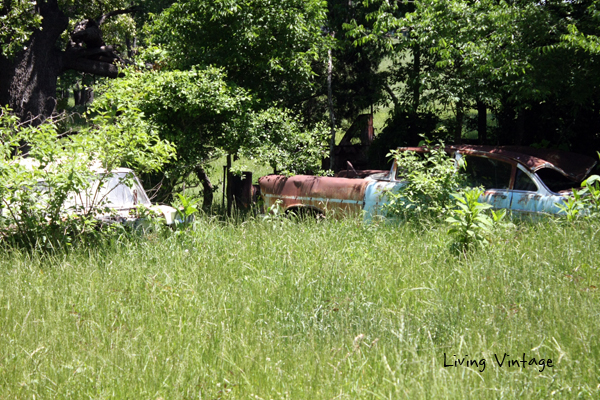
(525, 180)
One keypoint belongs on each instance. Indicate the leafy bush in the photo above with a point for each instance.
(42, 170)
(585, 202)
(469, 222)
(185, 212)
(431, 179)
(205, 117)
(591, 190)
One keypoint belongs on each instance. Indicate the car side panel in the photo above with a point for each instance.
(377, 195)
(498, 198)
(541, 201)
(320, 193)
(535, 203)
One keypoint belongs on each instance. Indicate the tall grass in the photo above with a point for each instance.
(303, 310)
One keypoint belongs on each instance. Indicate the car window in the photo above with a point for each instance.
(118, 194)
(556, 181)
(524, 182)
(487, 172)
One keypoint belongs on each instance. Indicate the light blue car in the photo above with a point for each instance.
(525, 180)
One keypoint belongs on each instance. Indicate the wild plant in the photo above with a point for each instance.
(573, 206)
(591, 195)
(431, 179)
(185, 212)
(469, 223)
(50, 188)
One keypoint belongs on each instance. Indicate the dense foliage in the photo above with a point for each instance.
(205, 116)
(431, 179)
(38, 193)
(264, 46)
(531, 63)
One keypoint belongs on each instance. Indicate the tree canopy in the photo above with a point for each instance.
(212, 72)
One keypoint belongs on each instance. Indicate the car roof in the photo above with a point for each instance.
(573, 166)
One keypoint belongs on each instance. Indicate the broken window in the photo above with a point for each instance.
(555, 181)
(524, 182)
(487, 172)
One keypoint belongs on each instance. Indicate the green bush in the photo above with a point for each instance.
(42, 170)
(469, 222)
(431, 179)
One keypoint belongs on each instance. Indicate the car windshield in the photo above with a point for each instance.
(119, 190)
(123, 190)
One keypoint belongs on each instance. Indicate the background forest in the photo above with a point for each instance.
(275, 81)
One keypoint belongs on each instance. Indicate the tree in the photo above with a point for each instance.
(531, 63)
(205, 116)
(28, 82)
(264, 46)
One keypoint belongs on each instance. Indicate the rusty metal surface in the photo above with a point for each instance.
(573, 166)
(239, 189)
(318, 193)
(355, 190)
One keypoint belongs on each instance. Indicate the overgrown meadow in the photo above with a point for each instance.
(285, 309)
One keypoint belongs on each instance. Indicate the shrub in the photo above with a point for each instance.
(431, 179)
(42, 170)
(469, 222)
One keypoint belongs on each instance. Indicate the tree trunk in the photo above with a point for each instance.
(77, 95)
(413, 137)
(207, 187)
(28, 82)
(331, 114)
(90, 95)
(481, 122)
(460, 113)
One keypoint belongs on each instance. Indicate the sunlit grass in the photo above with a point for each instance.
(284, 309)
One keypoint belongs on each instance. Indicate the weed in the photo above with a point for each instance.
(185, 213)
(431, 178)
(310, 310)
(470, 225)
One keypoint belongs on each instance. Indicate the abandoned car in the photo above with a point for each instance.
(115, 197)
(524, 180)
(122, 194)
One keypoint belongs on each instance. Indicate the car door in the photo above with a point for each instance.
(530, 196)
(525, 196)
(377, 193)
(491, 174)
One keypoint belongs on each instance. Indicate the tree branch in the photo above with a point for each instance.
(392, 95)
(101, 19)
(102, 50)
(92, 67)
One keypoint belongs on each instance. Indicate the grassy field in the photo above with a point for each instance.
(305, 310)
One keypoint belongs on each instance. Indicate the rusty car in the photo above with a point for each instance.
(524, 180)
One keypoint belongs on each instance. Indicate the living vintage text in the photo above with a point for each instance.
(504, 360)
